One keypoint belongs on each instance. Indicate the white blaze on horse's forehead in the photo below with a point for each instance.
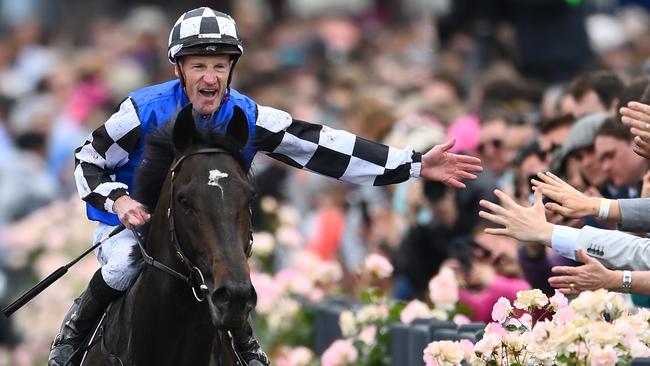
(214, 176)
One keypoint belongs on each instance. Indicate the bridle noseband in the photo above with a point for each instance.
(195, 278)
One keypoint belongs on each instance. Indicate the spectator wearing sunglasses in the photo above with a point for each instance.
(553, 133)
(492, 148)
(535, 260)
(579, 146)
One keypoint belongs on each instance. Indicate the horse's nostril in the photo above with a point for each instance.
(221, 295)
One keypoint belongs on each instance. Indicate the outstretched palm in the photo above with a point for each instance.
(440, 165)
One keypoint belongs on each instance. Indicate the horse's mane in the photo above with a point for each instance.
(159, 156)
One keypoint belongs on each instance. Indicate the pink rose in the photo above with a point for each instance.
(367, 335)
(603, 356)
(443, 288)
(378, 266)
(501, 310)
(266, 289)
(461, 319)
(288, 279)
(444, 352)
(413, 310)
(564, 315)
(429, 360)
(558, 301)
(340, 353)
(638, 349)
(468, 348)
(315, 295)
(488, 344)
(496, 329)
(526, 320)
(289, 236)
(299, 356)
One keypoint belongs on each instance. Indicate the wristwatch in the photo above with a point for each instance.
(627, 281)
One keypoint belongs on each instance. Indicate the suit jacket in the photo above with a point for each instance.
(618, 250)
(635, 214)
(615, 249)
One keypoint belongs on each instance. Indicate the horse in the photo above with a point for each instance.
(195, 284)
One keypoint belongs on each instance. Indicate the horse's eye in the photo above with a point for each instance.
(185, 203)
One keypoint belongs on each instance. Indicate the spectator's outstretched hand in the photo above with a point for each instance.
(519, 222)
(590, 276)
(440, 165)
(637, 116)
(569, 202)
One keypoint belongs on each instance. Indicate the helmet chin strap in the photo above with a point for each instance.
(181, 76)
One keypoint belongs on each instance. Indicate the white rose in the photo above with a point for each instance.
(534, 298)
(263, 244)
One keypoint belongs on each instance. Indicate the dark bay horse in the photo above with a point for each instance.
(178, 311)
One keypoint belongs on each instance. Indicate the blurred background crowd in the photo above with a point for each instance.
(526, 85)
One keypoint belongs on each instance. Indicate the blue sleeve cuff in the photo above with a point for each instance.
(564, 241)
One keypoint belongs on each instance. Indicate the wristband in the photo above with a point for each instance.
(603, 213)
(627, 281)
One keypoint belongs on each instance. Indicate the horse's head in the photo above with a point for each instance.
(209, 197)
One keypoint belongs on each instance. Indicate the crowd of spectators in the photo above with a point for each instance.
(527, 86)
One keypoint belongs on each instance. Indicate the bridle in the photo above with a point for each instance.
(194, 278)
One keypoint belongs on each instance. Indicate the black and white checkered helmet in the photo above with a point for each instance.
(204, 31)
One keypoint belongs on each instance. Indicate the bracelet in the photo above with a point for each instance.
(603, 213)
(627, 281)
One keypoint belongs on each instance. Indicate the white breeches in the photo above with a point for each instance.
(119, 269)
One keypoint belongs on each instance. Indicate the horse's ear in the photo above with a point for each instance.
(184, 129)
(238, 127)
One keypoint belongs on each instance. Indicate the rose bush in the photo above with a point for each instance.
(593, 329)
(366, 327)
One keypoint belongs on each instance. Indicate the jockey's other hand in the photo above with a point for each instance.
(130, 212)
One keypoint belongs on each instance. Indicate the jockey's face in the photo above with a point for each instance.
(206, 79)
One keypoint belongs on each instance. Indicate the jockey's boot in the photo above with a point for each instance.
(248, 346)
(82, 316)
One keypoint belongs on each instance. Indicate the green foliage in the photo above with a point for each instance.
(370, 295)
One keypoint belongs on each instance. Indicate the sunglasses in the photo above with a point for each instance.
(496, 144)
(543, 154)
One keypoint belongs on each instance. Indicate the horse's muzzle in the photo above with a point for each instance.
(233, 302)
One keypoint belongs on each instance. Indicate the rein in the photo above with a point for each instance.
(190, 280)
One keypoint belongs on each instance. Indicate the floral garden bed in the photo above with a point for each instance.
(305, 317)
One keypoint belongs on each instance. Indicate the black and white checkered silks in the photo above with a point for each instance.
(108, 147)
(202, 25)
(335, 153)
(321, 149)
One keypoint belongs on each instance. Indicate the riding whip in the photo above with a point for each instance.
(25, 298)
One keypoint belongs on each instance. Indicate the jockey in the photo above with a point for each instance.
(204, 47)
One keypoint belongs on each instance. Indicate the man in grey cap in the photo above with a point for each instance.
(579, 145)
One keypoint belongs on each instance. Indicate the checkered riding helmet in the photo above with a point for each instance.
(204, 31)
